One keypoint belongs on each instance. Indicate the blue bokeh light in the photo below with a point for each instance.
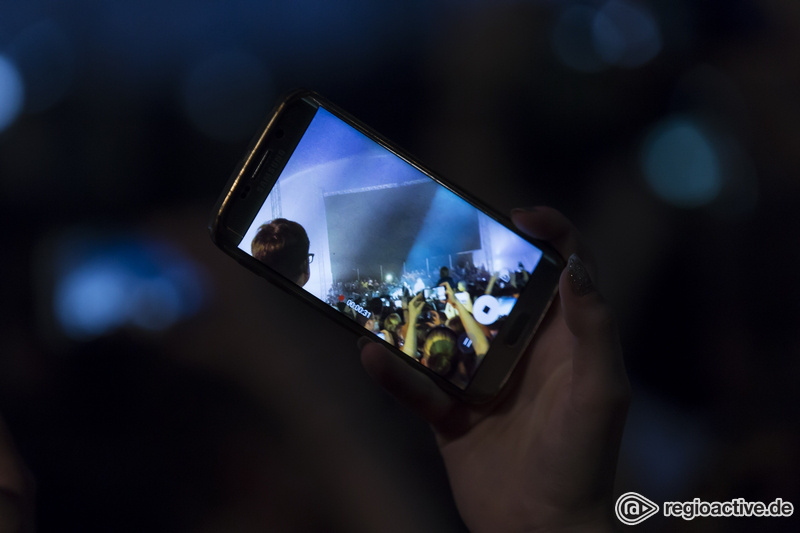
(625, 34)
(90, 300)
(12, 93)
(106, 284)
(681, 163)
(155, 303)
(618, 33)
(45, 57)
(573, 41)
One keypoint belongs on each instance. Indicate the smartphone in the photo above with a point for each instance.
(435, 293)
(332, 212)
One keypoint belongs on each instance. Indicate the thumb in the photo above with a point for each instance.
(598, 370)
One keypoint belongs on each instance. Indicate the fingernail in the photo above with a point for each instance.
(362, 341)
(579, 278)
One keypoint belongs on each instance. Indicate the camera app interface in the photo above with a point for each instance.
(407, 259)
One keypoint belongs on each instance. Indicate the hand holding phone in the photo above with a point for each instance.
(352, 192)
(323, 203)
(552, 437)
(415, 306)
(449, 294)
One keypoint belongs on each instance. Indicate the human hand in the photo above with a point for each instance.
(16, 488)
(453, 303)
(542, 456)
(415, 306)
(448, 290)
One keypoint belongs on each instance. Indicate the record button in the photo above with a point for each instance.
(486, 309)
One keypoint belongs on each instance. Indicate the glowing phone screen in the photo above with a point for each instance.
(381, 231)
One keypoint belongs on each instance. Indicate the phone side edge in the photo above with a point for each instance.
(244, 166)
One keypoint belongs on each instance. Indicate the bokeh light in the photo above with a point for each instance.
(681, 163)
(109, 283)
(625, 34)
(12, 93)
(226, 95)
(155, 304)
(618, 33)
(573, 42)
(90, 300)
(45, 57)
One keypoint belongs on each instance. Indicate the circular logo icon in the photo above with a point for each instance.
(633, 508)
(486, 309)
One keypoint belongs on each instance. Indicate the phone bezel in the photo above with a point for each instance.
(243, 197)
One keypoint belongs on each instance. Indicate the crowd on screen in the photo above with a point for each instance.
(434, 326)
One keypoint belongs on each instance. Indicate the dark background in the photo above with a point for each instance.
(669, 131)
